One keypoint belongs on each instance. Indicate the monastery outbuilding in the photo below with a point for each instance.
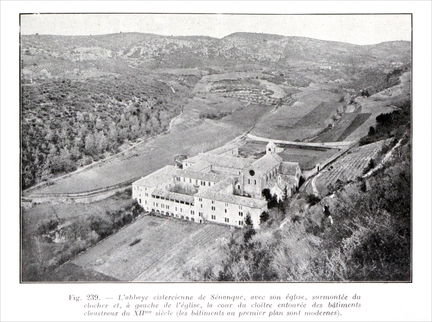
(218, 186)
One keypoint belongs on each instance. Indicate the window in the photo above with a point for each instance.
(200, 214)
(240, 207)
(192, 212)
(240, 222)
(190, 180)
(181, 210)
(226, 219)
(241, 213)
(146, 194)
(248, 181)
(140, 201)
(199, 199)
(213, 217)
(145, 201)
(225, 211)
(175, 208)
(213, 208)
(254, 182)
(212, 201)
(238, 187)
(226, 204)
(167, 207)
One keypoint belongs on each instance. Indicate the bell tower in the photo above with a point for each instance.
(270, 148)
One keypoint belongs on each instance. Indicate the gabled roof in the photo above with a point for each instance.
(157, 177)
(208, 176)
(223, 149)
(266, 163)
(222, 161)
(288, 168)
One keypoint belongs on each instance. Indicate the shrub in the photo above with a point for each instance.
(312, 199)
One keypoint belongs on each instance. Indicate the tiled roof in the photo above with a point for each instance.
(266, 163)
(223, 149)
(222, 161)
(288, 168)
(173, 195)
(208, 176)
(200, 166)
(157, 177)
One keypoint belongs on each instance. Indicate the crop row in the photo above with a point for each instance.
(350, 166)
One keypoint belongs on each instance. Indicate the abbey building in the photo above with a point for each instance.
(218, 186)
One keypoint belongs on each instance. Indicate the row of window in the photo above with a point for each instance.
(155, 204)
(173, 200)
(202, 182)
(226, 204)
(213, 217)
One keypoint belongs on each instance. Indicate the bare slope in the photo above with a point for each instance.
(152, 249)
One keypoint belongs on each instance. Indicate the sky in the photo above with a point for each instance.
(356, 29)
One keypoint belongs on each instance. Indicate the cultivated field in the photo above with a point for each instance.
(348, 167)
(154, 249)
(310, 114)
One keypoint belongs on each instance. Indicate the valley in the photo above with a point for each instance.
(99, 112)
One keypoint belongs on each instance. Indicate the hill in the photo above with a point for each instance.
(97, 112)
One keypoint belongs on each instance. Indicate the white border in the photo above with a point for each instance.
(383, 302)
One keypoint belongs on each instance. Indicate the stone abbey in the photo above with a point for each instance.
(218, 186)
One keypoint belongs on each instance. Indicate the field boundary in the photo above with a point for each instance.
(329, 145)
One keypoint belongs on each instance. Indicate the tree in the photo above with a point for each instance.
(90, 144)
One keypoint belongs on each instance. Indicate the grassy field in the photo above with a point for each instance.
(153, 249)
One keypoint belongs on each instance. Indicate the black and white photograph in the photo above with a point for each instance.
(162, 153)
(254, 156)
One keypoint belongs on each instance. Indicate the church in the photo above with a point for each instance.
(218, 186)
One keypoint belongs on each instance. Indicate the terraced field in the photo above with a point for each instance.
(348, 167)
(154, 249)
